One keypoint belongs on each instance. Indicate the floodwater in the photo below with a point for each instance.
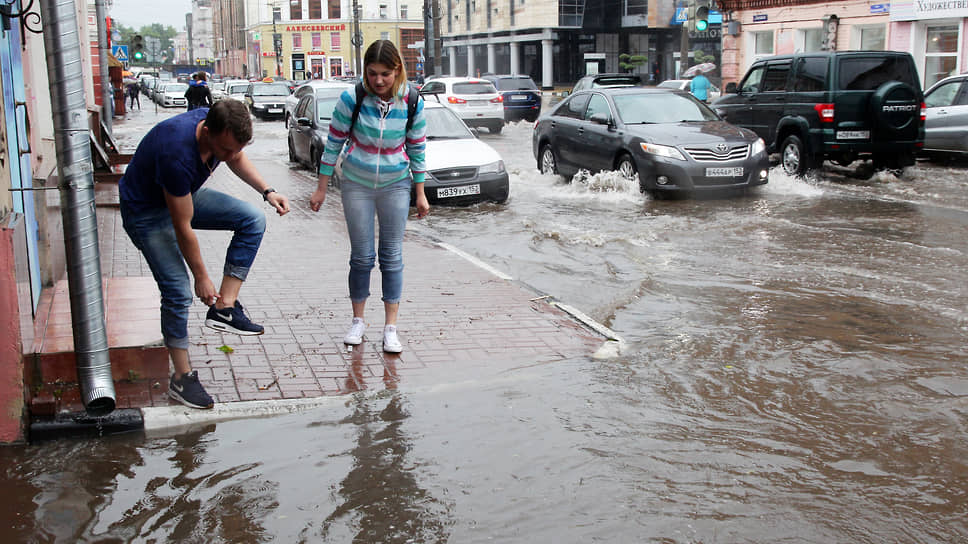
(794, 371)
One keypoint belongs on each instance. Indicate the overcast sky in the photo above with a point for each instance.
(138, 13)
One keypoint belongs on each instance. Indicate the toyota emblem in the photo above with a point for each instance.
(721, 148)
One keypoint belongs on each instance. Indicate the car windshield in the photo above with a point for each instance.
(474, 87)
(325, 106)
(173, 87)
(238, 88)
(515, 84)
(660, 107)
(443, 124)
(273, 89)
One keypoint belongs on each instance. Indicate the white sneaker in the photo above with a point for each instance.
(354, 336)
(391, 343)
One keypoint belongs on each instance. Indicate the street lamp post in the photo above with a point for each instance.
(357, 39)
(277, 39)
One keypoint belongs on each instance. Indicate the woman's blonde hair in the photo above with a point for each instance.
(385, 53)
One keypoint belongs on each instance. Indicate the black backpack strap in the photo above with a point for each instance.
(412, 98)
(360, 95)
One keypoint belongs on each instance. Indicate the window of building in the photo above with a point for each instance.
(811, 40)
(334, 9)
(636, 7)
(295, 10)
(334, 41)
(403, 11)
(872, 38)
(276, 13)
(384, 35)
(383, 11)
(297, 41)
(315, 9)
(317, 40)
(941, 53)
(763, 42)
(571, 12)
(511, 11)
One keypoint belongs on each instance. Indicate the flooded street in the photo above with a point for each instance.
(794, 370)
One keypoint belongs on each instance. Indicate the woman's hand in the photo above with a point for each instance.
(319, 196)
(423, 207)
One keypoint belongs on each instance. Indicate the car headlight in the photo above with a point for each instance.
(758, 146)
(492, 168)
(662, 151)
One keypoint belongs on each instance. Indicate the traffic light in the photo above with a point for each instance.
(702, 15)
(138, 47)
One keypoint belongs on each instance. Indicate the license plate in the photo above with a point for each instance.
(519, 97)
(724, 172)
(463, 190)
(853, 134)
(275, 110)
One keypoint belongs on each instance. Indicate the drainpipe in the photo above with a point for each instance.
(107, 97)
(76, 187)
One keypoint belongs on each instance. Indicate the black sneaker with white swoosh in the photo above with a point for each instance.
(232, 320)
(189, 391)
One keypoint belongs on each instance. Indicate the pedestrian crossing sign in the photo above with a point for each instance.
(120, 52)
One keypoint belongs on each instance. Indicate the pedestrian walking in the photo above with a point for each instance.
(134, 94)
(163, 203)
(699, 87)
(198, 94)
(384, 161)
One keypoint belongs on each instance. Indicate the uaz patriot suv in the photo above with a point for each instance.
(841, 106)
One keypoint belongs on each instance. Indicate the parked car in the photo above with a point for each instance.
(461, 169)
(267, 100)
(217, 88)
(596, 81)
(310, 124)
(235, 89)
(683, 85)
(522, 98)
(842, 106)
(946, 116)
(475, 101)
(671, 141)
(173, 95)
(309, 87)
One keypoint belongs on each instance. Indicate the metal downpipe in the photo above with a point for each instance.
(75, 169)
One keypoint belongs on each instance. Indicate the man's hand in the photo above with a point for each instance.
(205, 290)
(279, 202)
(319, 196)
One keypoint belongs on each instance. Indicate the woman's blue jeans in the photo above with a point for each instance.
(390, 206)
(153, 234)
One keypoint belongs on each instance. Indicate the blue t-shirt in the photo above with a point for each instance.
(166, 159)
(700, 87)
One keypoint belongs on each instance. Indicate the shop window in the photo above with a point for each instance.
(941, 53)
(812, 38)
(297, 41)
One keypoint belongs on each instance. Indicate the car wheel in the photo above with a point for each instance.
(548, 163)
(292, 152)
(626, 167)
(495, 128)
(793, 156)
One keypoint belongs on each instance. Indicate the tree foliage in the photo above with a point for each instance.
(165, 34)
(631, 62)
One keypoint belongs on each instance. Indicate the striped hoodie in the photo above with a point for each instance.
(380, 151)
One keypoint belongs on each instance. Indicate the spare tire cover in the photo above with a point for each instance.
(895, 107)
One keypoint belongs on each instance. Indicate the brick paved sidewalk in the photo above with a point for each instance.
(453, 314)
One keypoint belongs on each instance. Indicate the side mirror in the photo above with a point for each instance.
(601, 119)
(731, 88)
(304, 122)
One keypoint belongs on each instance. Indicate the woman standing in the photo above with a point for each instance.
(383, 160)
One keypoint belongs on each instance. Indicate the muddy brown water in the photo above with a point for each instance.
(795, 371)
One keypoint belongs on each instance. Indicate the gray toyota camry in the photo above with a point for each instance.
(672, 142)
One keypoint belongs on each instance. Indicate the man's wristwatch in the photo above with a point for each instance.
(265, 194)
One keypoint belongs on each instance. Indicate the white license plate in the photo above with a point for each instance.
(853, 134)
(275, 110)
(724, 172)
(519, 97)
(463, 190)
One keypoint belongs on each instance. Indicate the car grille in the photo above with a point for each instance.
(718, 154)
(454, 175)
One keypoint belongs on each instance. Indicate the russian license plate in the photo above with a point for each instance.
(463, 190)
(519, 97)
(275, 110)
(724, 172)
(853, 134)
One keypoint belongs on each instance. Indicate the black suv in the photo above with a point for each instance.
(522, 99)
(840, 106)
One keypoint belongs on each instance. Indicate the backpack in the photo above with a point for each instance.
(412, 97)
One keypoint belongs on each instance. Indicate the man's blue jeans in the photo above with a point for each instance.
(390, 205)
(153, 234)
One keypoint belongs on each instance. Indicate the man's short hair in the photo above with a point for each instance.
(231, 115)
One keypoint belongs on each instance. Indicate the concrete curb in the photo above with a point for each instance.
(167, 417)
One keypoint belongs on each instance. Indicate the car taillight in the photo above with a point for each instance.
(455, 100)
(924, 112)
(825, 111)
(498, 100)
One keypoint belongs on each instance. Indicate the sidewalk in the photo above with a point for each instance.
(455, 313)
